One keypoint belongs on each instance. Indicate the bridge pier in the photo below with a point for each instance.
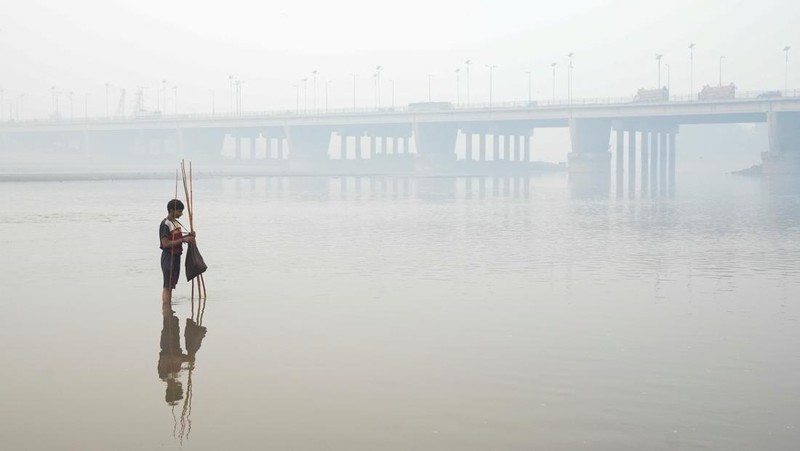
(308, 146)
(783, 156)
(590, 139)
(646, 136)
(436, 144)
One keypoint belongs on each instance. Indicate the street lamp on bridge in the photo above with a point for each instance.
(467, 63)
(691, 68)
(314, 73)
(305, 94)
(354, 75)
(553, 65)
(658, 58)
(529, 86)
(786, 71)
(378, 70)
(107, 112)
(458, 86)
(722, 57)
(491, 68)
(569, 78)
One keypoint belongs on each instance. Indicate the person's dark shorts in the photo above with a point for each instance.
(171, 268)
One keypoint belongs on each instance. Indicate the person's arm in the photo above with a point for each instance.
(167, 243)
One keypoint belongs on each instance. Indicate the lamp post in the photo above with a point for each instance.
(467, 63)
(658, 58)
(239, 84)
(378, 70)
(786, 71)
(722, 57)
(231, 79)
(175, 95)
(491, 70)
(529, 87)
(164, 95)
(327, 83)
(375, 88)
(354, 90)
(458, 86)
(305, 94)
(569, 78)
(668, 77)
(297, 99)
(691, 69)
(553, 65)
(314, 73)
(71, 110)
(392, 82)
(107, 112)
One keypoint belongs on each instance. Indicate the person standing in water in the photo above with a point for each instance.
(172, 238)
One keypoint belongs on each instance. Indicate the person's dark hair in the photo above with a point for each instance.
(174, 204)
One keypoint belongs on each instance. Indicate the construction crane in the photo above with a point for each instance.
(139, 111)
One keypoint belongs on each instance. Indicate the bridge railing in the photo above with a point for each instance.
(390, 110)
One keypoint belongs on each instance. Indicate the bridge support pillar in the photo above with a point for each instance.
(645, 161)
(783, 156)
(662, 162)
(672, 156)
(620, 157)
(631, 161)
(589, 146)
(435, 146)
(653, 176)
(481, 147)
(308, 146)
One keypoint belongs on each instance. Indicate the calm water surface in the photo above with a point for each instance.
(380, 313)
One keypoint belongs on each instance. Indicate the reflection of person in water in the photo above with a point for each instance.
(171, 357)
(172, 360)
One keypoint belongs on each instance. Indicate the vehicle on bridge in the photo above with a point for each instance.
(721, 92)
(769, 94)
(430, 106)
(652, 95)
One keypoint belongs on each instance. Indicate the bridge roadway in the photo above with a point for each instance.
(427, 133)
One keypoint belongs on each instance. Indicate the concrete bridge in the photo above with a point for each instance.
(423, 136)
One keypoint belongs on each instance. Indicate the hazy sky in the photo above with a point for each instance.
(80, 45)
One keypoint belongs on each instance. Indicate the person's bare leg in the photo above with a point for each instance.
(166, 296)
